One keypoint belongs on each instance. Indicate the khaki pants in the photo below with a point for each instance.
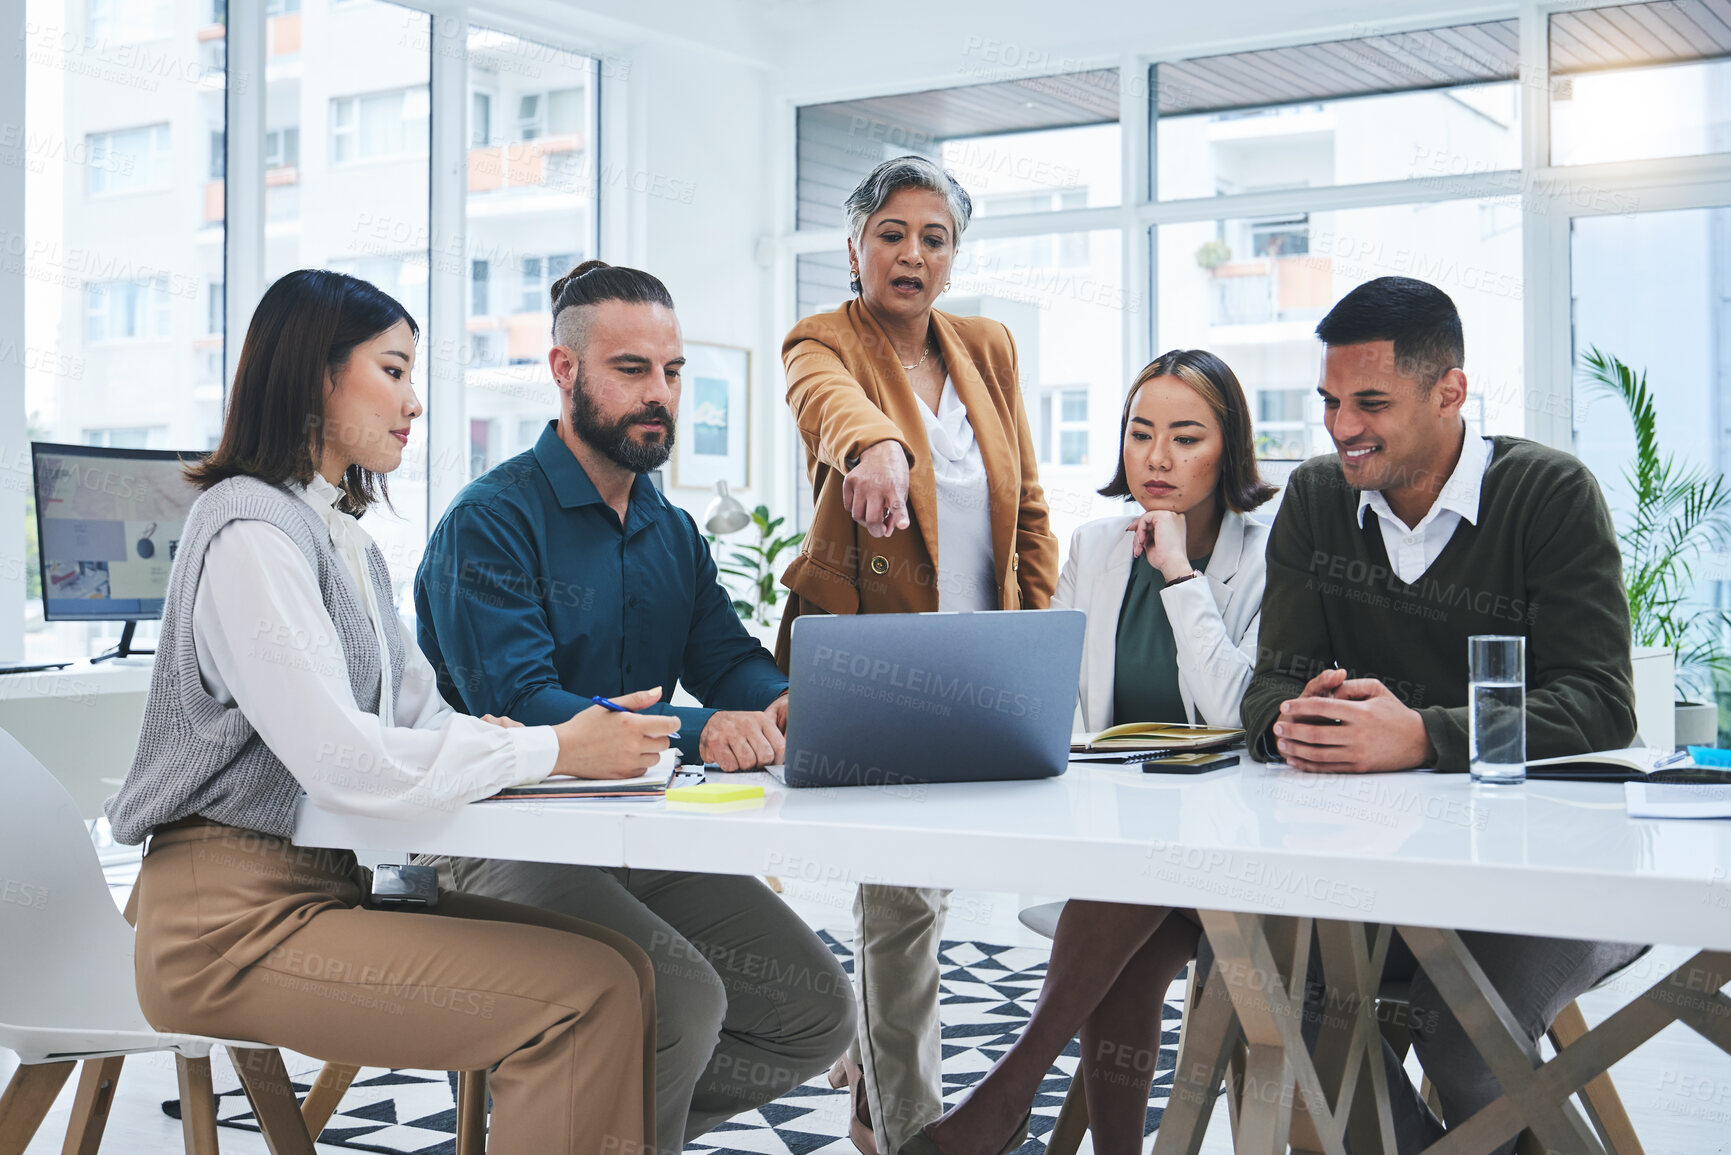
(749, 1002)
(899, 1045)
(245, 936)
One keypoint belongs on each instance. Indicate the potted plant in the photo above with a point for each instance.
(1680, 512)
(1213, 253)
(751, 566)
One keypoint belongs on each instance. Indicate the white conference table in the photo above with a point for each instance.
(1550, 858)
(1262, 851)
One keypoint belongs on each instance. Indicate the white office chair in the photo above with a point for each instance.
(67, 992)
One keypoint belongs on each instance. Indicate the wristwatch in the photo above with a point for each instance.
(1185, 578)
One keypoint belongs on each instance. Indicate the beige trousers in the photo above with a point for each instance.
(245, 936)
(899, 1045)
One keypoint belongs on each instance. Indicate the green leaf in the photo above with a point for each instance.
(1680, 512)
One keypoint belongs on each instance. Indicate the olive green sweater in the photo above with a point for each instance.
(1542, 562)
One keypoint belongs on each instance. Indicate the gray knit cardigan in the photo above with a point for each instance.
(197, 756)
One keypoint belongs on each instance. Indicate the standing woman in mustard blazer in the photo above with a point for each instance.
(1173, 594)
(927, 498)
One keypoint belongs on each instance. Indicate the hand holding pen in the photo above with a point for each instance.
(612, 740)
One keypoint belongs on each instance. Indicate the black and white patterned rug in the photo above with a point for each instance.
(988, 993)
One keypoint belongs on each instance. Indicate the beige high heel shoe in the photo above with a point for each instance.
(859, 1120)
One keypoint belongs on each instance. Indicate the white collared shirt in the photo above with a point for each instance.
(258, 603)
(1412, 549)
(964, 563)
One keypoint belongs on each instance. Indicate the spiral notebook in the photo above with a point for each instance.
(1151, 740)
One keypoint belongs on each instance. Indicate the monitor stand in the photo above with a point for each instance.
(124, 649)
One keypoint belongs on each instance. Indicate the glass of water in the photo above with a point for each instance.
(1497, 723)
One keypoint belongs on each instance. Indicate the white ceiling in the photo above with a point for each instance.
(813, 50)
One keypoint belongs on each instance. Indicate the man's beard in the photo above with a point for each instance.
(613, 438)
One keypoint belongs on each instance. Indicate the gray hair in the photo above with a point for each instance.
(891, 177)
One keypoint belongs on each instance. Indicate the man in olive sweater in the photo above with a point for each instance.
(1383, 560)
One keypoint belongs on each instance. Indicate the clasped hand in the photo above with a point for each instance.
(1342, 725)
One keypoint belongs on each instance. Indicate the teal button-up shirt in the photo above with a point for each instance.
(532, 598)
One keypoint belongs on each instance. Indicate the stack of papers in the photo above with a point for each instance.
(650, 785)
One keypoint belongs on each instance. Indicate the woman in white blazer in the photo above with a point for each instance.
(1173, 594)
(1216, 653)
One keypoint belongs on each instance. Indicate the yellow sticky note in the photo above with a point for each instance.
(715, 792)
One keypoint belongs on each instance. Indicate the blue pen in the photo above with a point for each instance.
(609, 704)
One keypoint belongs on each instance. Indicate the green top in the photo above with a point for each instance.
(1145, 681)
(1541, 562)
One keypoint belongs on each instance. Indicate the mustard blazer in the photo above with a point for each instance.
(848, 392)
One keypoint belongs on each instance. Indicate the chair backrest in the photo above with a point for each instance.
(65, 950)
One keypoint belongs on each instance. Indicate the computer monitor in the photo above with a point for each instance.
(108, 524)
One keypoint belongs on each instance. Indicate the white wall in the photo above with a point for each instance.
(700, 225)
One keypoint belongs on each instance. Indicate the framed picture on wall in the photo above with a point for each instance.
(713, 439)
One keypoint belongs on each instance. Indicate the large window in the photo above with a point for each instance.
(1430, 118)
(1037, 150)
(1063, 298)
(531, 217)
(124, 209)
(1253, 289)
(346, 174)
(1654, 291)
(1277, 179)
(131, 189)
(1436, 103)
(1640, 82)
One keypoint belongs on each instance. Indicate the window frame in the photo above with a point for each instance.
(1551, 197)
(448, 289)
(616, 214)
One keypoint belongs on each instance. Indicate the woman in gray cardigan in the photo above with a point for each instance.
(1173, 594)
(282, 668)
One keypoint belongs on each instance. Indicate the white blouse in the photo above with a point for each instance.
(966, 580)
(257, 601)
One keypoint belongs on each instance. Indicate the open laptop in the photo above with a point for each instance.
(876, 699)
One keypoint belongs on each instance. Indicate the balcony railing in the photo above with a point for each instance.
(1268, 289)
(282, 35)
(552, 162)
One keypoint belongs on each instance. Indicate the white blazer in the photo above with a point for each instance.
(1214, 618)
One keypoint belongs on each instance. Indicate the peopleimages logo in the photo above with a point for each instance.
(916, 680)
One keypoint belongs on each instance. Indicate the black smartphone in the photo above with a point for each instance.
(405, 887)
(1189, 763)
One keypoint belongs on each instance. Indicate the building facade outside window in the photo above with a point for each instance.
(1278, 179)
(125, 199)
(132, 322)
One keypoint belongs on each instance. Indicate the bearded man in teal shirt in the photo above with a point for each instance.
(564, 574)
